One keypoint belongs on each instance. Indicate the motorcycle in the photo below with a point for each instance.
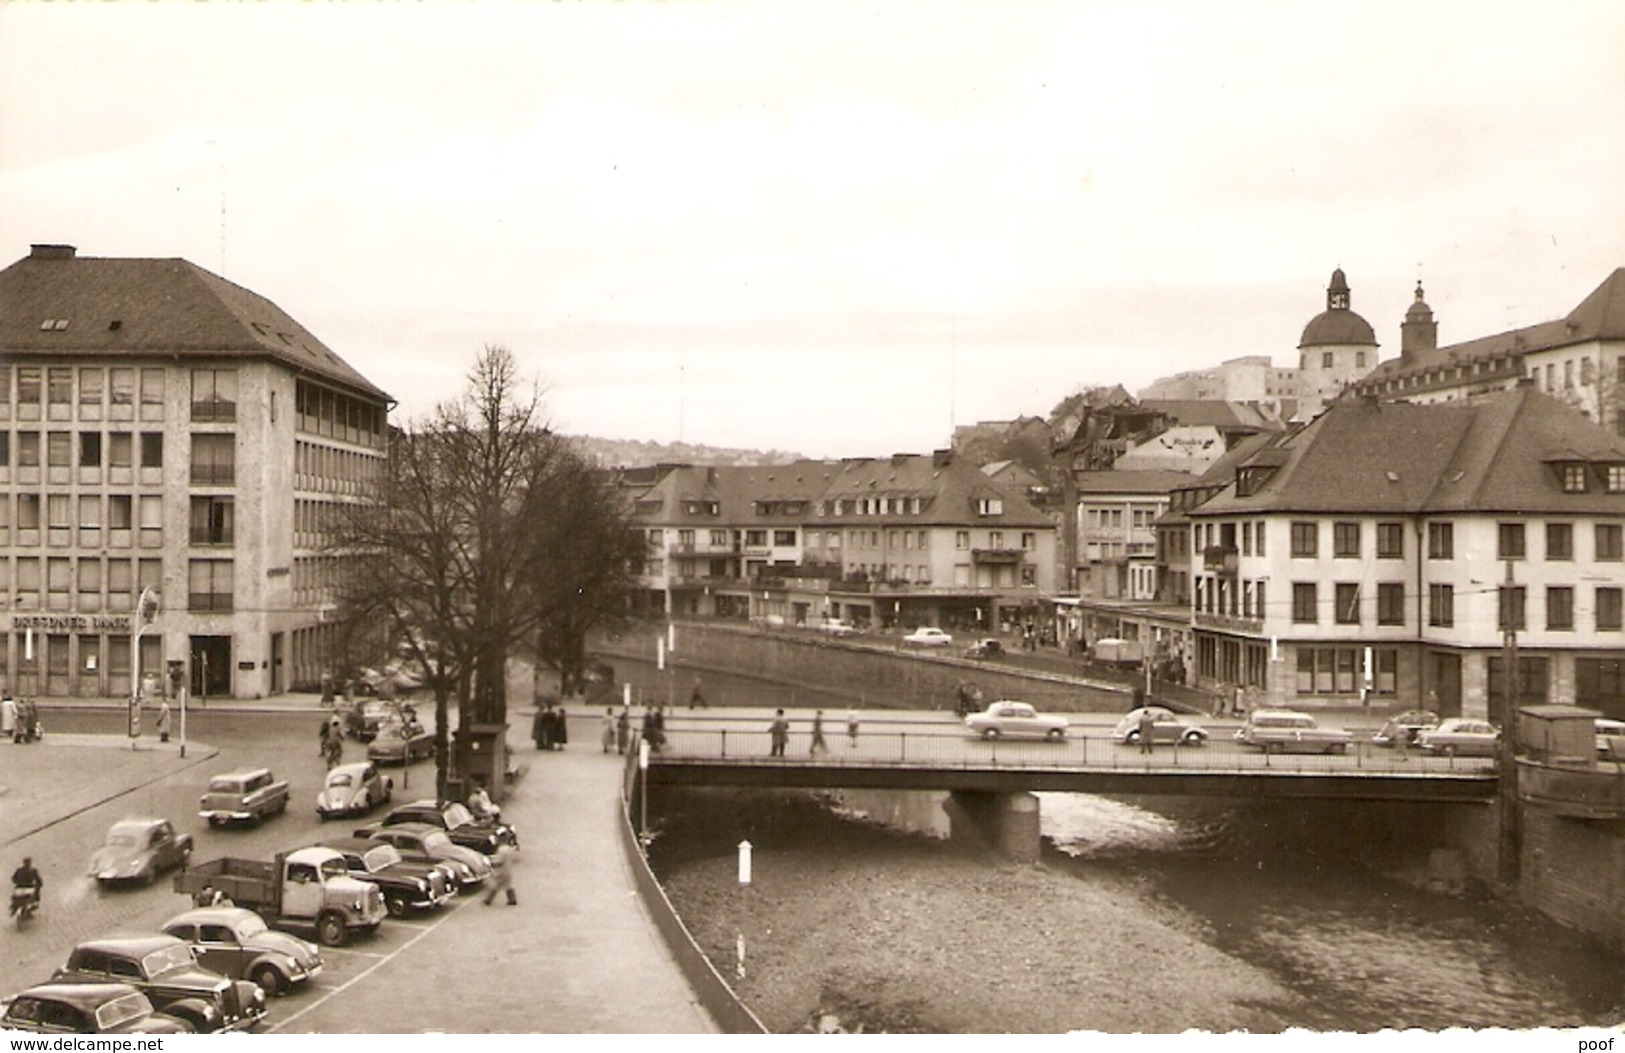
(24, 902)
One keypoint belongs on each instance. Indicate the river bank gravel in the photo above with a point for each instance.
(874, 930)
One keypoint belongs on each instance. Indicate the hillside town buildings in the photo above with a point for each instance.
(164, 432)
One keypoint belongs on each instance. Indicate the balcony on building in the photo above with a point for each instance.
(995, 555)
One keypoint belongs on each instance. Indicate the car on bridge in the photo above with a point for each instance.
(1166, 726)
(1402, 728)
(1610, 738)
(928, 636)
(1290, 731)
(1010, 719)
(1461, 736)
(988, 647)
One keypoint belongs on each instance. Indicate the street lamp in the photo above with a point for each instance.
(146, 608)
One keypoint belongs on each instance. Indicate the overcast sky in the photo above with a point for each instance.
(834, 228)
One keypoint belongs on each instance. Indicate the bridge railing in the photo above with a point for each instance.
(947, 748)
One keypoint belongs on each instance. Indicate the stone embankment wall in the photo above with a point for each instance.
(875, 673)
(1573, 871)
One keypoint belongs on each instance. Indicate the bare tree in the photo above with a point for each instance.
(486, 530)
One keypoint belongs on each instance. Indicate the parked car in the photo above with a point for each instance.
(418, 842)
(927, 636)
(88, 1009)
(482, 835)
(986, 648)
(1408, 724)
(365, 716)
(1007, 719)
(352, 789)
(406, 886)
(236, 942)
(1289, 731)
(137, 850)
(1608, 729)
(163, 969)
(1461, 736)
(248, 795)
(1167, 726)
(837, 627)
(398, 743)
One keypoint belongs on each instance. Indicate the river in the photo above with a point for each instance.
(1325, 898)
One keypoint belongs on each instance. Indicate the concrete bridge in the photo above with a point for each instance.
(992, 783)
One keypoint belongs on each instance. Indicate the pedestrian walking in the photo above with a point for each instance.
(608, 737)
(333, 751)
(327, 687)
(623, 729)
(1147, 727)
(8, 715)
(324, 734)
(538, 728)
(778, 734)
(163, 721)
(503, 860)
(696, 698)
(851, 727)
(561, 727)
(818, 744)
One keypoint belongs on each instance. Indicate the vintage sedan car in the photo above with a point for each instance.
(1166, 726)
(1007, 719)
(365, 716)
(1402, 728)
(1289, 731)
(236, 942)
(837, 627)
(246, 795)
(88, 1009)
(420, 843)
(1608, 731)
(137, 850)
(460, 824)
(986, 648)
(1461, 736)
(163, 968)
(406, 886)
(352, 789)
(398, 743)
(928, 636)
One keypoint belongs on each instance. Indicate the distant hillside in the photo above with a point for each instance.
(634, 453)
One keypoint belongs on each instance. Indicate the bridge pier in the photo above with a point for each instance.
(1006, 823)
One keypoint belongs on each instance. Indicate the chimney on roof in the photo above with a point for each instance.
(900, 459)
(51, 252)
(941, 458)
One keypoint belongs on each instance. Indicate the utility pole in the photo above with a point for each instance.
(1510, 844)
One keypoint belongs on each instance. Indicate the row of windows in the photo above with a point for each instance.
(57, 520)
(1390, 605)
(1608, 540)
(95, 583)
(323, 411)
(213, 455)
(329, 469)
(113, 393)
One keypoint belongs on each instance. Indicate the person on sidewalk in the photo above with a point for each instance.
(8, 715)
(608, 736)
(778, 734)
(623, 729)
(503, 861)
(851, 727)
(696, 698)
(818, 744)
(163, 721)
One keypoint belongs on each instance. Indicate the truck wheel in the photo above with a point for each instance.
(268, 978)
(331, 930)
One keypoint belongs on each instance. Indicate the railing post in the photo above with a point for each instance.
(724, 742)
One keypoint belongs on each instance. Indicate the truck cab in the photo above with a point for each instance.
(311, 887)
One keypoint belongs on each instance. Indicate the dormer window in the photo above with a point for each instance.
(1574, 478)
(1613, 476)
(989, 506)
(1251, 479)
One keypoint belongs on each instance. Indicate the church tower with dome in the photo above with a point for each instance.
(1338, 347)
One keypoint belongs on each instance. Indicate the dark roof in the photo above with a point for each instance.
(1228, 416)
(147, 307)
(1337, 326)
(1489, 455)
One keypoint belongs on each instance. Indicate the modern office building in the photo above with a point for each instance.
(164, 432)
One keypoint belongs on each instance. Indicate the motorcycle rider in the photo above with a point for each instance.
(26, 885)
